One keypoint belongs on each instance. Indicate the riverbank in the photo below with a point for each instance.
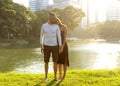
(74, 78)
(24, 43)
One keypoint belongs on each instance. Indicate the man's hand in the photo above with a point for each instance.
(60, 49)
(42, 48)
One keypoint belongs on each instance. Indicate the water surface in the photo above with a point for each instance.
(82, 56)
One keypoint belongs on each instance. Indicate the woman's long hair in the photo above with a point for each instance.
(59, 22)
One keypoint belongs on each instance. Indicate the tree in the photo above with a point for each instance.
(70, 16)
(42, 15)
(6, 12)
(109, 30)
(17, 20)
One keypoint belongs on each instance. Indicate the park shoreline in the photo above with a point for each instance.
(22, 42)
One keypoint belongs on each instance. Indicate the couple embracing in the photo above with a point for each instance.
(53, 42)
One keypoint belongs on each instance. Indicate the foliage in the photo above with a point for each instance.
(109, 30)
(5, 13)
(70, 16)
(74, 78)
(17, 20)
(22, 23)
(42, 15)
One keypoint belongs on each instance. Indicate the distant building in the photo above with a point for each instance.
(32, 5)
(36, 5)
(113, 10)
(58, 1)
(64, 3)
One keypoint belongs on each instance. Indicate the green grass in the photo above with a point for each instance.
(74, 78)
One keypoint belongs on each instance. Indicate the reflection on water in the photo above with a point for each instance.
(107, 56)
(96, 56)
(83, 56)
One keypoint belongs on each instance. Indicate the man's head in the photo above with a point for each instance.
(52, 18)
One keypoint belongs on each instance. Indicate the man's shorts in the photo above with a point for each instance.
(48, 50)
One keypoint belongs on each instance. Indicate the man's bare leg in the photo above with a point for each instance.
(46, 70)
(55, 70)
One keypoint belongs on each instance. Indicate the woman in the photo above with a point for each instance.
(63, 60)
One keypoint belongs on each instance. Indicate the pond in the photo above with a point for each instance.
(81, 56)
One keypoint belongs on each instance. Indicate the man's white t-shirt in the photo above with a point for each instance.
(50, 35)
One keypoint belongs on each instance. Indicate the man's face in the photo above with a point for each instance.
(52, 19)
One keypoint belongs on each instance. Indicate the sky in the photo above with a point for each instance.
(92, 14)
(26, 2)
(99, 7)
(23, 2)
(100, 4)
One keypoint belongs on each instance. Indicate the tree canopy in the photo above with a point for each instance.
(109, 30)
(17, 20)
(70, 16)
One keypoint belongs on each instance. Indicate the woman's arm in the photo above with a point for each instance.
(64, 36)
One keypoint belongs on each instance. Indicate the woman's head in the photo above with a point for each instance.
(59, 22)
(53, 19)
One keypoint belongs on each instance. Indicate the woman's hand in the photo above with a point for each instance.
(61, 49)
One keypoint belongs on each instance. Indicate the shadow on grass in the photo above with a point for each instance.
(59, 83)
(51, 83)
(39, 83)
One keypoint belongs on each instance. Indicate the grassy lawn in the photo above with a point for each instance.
(74, 78)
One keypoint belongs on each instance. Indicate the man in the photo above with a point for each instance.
(50, 38)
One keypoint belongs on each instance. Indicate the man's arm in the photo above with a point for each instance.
(59, 37)
(41, 39)
(65, 36)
